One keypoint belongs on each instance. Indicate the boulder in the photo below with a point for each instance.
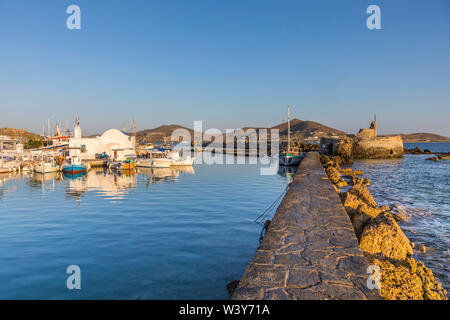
(408, 280)
(360, 206)
(399, 213)
(415, 150)
(341, 183)
(344, 149)
(333, 174)
(324, 158)
(359, 193)
(433, 290)
(347, 171)
(383, 237)
(421, 248)
(231, 287)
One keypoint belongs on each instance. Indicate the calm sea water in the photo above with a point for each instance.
(179, 233)
(422, 188)
(157, 234)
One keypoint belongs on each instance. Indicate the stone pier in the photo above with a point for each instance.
(310, 250)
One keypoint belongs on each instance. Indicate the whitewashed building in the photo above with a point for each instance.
(87, 148)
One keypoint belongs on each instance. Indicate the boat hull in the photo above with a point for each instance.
(290, 160)
(123, 166)
(74, 169)
(155, 163)
(183, 162)
(46, 168)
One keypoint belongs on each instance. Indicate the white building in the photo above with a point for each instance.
(87, 148)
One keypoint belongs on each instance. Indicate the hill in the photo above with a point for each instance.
(159, 134)
(423, 137)
(29, 139)
(308, 131)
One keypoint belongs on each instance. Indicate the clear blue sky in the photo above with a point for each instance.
(229, 63)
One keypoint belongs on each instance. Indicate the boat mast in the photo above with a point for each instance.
(289, 129)
(135, 140)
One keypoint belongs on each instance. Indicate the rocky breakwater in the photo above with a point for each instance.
(381, 239)
(299, 146)
(309, 250)
(437, 156)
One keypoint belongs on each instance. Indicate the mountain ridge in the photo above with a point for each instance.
(300, 130)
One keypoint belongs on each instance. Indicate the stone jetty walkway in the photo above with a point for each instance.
(310, 250)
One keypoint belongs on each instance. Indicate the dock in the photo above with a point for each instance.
(310, 251)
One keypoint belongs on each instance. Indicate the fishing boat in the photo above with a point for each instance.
(45, 167)
(290, 158)
(74, 166)
(126, 165)
(179, 160)
(155, 158)
(123, 159)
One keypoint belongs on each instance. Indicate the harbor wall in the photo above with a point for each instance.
(365, 145)
(378, 147)
(310, 250)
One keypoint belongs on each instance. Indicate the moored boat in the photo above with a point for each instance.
(124, 159)
(155, 159)
(290, 158)
(74, 166)
(178, 160)
(127, 165)
(154, 163)
(45, 167)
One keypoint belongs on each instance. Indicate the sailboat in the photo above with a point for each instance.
(289, 158)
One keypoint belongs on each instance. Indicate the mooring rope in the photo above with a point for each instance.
(266, 212)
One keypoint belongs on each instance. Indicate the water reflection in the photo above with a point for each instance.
(135, 247)
(287, 172)
(170, 174)
(112, 185)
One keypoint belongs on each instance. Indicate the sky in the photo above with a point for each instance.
(230, 63)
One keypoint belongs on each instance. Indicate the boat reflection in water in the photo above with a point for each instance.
(165, 174)
(287, 172)
(116, 185)
(47, 182)
(109, 184)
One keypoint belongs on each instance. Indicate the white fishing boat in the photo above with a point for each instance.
(45, 167)
(155, 158)
(154, 163)
(179, 160)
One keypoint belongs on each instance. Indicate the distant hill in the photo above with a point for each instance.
(19, 134)
(309, 131)
(29, 139)
(159, 134)
(424, 137)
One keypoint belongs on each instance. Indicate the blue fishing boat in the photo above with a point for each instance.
(74, 166)
(290, 158)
